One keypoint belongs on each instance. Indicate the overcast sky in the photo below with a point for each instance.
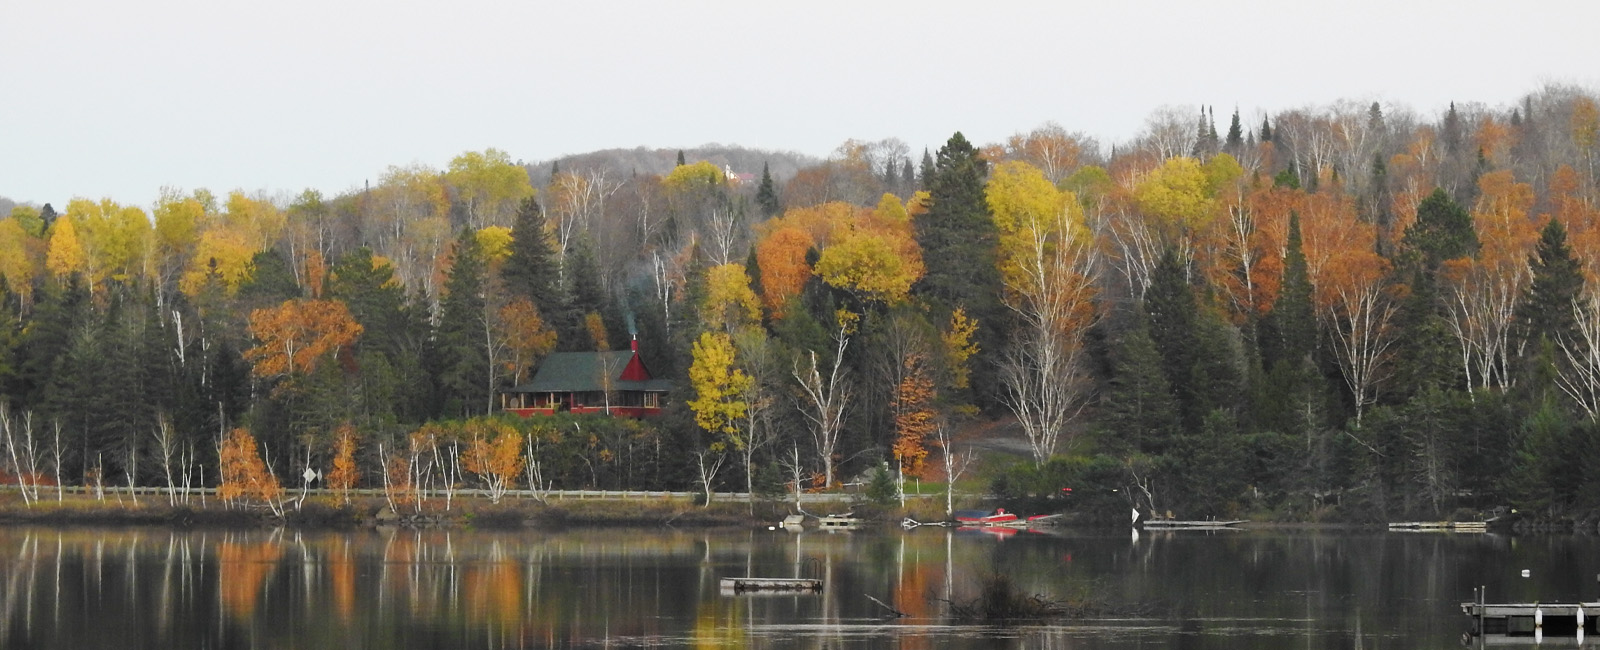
(117, 99)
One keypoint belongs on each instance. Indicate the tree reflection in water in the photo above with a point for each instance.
(404, 588)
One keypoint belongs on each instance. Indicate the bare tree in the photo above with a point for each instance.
(1169, 132)
(709, 462)
(955, 463)
(1579, 377)
(759, 361)
(1050, 290)
(1360, 318)
(22, 448)
(826, 399)
(166, 448)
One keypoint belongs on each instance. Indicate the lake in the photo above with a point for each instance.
(399, 588)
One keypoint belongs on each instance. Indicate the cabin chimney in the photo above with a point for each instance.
(635, 343)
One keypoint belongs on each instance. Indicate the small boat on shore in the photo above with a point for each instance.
(999, 518)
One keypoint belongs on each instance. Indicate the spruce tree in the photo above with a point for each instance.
(1266, 130)
(1442, 231)
(767, 195)
(1235, 141)
(1140, 414)
(1174, 327)
(959, 233)
(908, 176)
(465, 361)
(752, 268)
(1293, 317)
(374, 299)
(680, 158)
(1546, 307)
(924, 174)
(531, 270)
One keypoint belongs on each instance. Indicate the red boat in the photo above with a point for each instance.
(997, 517)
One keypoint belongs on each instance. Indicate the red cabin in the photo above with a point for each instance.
(614, 383)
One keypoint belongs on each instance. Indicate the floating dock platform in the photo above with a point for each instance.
(1440, 526)
(1528, 619)
(1178, 524)
(743, 586)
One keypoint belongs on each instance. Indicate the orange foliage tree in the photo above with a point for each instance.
(244, 474)
(1483, 292)
(912, 408)
(344, 474)
(494, 454)
(782, 258)
(527, 337)
(295, 335)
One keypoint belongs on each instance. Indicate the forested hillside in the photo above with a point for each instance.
(1349, 311)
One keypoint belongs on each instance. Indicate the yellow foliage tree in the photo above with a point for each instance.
(1178, 196)
(16, 262)
(870, 264)
(222, 255)
(719, 387)
(960, 343)
(488, 185)
(692, 177)
(495, 243)
(65, 254)
(729, 303)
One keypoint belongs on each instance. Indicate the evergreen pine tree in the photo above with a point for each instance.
(925, 173)
(958, 231)
(908, 176)
(1546, 308)
(374, 299)
(1174, 327)
(1140, 415)
(767, 195)
(752, 268)
(1235, 142)
(588, 297)
(1266, 130)
(531, 270)
(1442, 231)
(465, 362)
(680, 158)
(1293, 316)
(1450, 131)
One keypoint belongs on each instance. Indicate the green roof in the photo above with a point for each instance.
(584, 371)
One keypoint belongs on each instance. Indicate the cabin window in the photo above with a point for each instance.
(652, 400)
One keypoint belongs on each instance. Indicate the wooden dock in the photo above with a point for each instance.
(1440, 526)
(1178, 524)
(839, 522)
(742, 586)
(1528, 619)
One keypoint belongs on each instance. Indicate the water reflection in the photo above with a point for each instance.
(81, 588)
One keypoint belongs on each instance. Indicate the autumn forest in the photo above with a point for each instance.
(1350, 312)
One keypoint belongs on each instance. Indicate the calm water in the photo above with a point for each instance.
(149, 588)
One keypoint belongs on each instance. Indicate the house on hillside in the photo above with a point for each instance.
(614, 383)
